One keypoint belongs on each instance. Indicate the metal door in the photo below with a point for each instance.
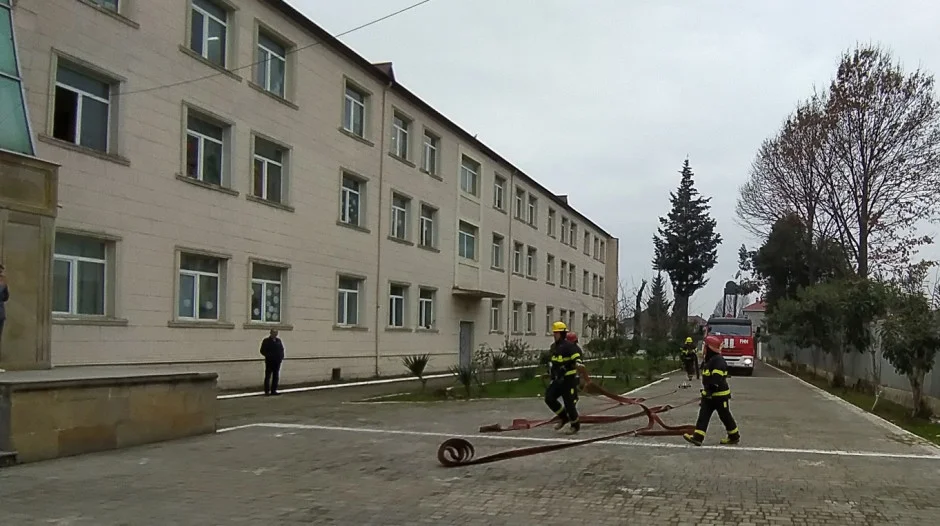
(466, 343)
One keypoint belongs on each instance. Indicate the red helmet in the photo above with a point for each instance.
(572, 337)
(713, 342)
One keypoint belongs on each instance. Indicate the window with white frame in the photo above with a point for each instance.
(428, 230)
(564, 273)
(573, 234)
(570, 323)
(271, 65)
(519, 203)
(432, 144)
(551, 222)
(426, 298)
(467, 241)
(396, 305)
(354, 114)
(400, 208)
(517, 258)
(600, 286)
(400, 129)
(209, 31)
(499, 193)
(268, 179)
(110, 5)
(533, 210)
(199, 287)
(594, 283)
(496, 315)
(586, 282)
(597, 252)
(587, 243)
(584, 323)
(79, 276)
(550, 269)
(350, 200)
(348, 298)
(564, 230)
(267, 293)
(82, 109)
(563, 317)
(516, 314)
(571, 277)
(469, 176)
(530, 318)
(530, 262)
(205, 149)
(498, 244)
(603, 252)
(549, 318)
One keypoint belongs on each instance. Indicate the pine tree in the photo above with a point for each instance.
(657, 310)
(686, 246)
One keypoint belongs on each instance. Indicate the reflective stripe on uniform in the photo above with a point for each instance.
(716, 372)
(726, 392)
(571, 372)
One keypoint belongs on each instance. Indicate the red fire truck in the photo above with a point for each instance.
(737, 333)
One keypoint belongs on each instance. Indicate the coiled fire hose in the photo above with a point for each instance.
(455, 452)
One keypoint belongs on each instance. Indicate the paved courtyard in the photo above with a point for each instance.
(319, 458)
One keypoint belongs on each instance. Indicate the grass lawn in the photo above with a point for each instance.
(890, 411)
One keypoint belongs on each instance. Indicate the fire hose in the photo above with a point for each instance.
(455, 452)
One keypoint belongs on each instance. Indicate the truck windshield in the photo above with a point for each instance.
(729, 330)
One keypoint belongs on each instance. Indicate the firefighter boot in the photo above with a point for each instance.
(695, 439)
(573, 428)
(734, 437)
(559, 425)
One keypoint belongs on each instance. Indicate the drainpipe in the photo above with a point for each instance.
(378, 237)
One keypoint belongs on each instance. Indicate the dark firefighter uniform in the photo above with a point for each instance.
(689, 358)
(565, 361)
(715, 395)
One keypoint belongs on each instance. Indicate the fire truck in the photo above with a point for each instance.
(737, 333)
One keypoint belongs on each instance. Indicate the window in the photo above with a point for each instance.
(533, 209)
(550, 269)
(584, 322)
(517, 258)
(530, 318)
(396, 305)
(603, 252)
(520, 202)
(563, 317)
(600, 286)
(564, 273)
(351, 201)
(199, 292)
(347, 305)
(551, 222)
(110, 5)
(266, 293)
(496, 315)
(570, 322)
(428, 232)
(499, 193)
(426, 308)
(269, 171)
(498, 243)
(586, 282)
(79, 276)
(82, 109)
(594, 283)
(564, 230)
(400, 206)
(467, 241)
(271, 66)
(587, 243)
(205, 149)
(469, 175)
(516, 307)
(597, 251)
(573, 235)
(208, 31)
(400, 128)
(549, 319)
(354, 114)
(431, 147)
(571, 273)
(530, 265)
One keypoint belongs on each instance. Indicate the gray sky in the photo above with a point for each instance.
(603, 99)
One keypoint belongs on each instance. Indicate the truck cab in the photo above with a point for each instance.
(737, 335)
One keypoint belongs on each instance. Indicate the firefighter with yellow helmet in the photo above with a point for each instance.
(689, 356)
(566, 365)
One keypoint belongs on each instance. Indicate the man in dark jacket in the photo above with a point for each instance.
(689, 360)
(273, 351)
(715, 396)
(566, 365)
(4, 296)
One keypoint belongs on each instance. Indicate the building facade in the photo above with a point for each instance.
(228, 167)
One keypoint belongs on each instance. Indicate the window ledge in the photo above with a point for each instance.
(434, 175)
(352, 135)
(548, 282)
(399, 329)
(497, 332)
(117, 16)
(468, 262)
(402, 160)
(497, 269)
(359, 328)
(532, 278)
(357, 228)
(500, 210)
(517, 333)
(273, 95)
(401, 241)
(519, 274)
(267, 326)
(196, 324)
(114, 158)
(231, 74)
(531, 334)
(533, 225)
(207, 186)
(272, 204)
(429, 248)
(99, 321)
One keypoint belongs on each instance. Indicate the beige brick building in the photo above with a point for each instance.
(227, 167)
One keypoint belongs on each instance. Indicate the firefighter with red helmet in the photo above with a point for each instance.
(566, 366)
(716, 394)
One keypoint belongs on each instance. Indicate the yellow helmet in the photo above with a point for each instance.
(688, 340)
(559, 326)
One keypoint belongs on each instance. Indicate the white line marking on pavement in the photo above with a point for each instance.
(645, 386)
(631, 443)
(858, 410)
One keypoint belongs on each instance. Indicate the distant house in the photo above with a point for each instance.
(756, 312)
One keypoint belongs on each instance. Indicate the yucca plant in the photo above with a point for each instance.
(465, 374)
(416, 365)
(497, 362)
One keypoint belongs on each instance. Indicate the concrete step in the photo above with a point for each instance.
(7, 458)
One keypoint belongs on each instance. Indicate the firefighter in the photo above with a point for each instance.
(566, 365)
(716, 394)
(689, 357)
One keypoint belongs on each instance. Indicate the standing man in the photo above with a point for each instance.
(273, 351)
(4, 296)
(715, 396)
(566, 365)
(689, 360)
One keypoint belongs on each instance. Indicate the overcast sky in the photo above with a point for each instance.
(603, 99)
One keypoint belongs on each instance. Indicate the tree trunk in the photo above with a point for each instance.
(838, 369)
(680, 316)
(921, 409)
